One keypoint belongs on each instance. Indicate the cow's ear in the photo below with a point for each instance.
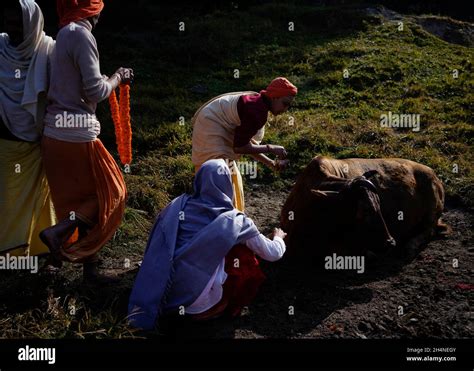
(369, 174)
(323, 194)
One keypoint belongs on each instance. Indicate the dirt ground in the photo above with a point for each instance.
(395, 298)
(428, 296)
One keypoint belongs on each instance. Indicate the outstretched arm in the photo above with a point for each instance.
(253, 148)
(97, 87)
(266, 248)
(267, 161)
(258, 151)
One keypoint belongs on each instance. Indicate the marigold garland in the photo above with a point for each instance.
(120, 110)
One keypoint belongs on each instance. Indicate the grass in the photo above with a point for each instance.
(409, 71)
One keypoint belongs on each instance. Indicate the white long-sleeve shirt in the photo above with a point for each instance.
(262, 246)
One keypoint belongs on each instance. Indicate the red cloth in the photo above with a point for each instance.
(253, 114)
(243, 281)
(241, 285)
(280, 87)
(75, 10)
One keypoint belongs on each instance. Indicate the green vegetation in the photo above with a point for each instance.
(409, 71)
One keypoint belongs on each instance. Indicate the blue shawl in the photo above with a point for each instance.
(190, 238)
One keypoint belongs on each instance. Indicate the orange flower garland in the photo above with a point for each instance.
(123, 128)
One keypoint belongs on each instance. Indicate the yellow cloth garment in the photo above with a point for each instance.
(25, 200)
(238, 185)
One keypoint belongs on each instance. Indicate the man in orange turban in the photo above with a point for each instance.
(233, 124)
(75, 10)
(280, 87)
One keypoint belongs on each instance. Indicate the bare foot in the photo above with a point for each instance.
(54, 237)
(48, 237)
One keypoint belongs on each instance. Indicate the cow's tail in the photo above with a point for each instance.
(442, 229)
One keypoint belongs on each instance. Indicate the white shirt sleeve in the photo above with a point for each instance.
(266, 248)
(86, 56)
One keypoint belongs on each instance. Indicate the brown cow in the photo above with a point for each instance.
(353, 206)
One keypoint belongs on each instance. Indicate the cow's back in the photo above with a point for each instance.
(410, 193)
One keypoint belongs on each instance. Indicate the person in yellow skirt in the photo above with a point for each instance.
(25, 200)
(232, 124)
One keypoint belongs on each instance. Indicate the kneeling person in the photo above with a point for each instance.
(200, 255)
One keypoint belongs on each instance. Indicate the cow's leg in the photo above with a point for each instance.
(436, 230)
(442, 229)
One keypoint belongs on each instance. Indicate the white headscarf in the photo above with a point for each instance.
(24, 75)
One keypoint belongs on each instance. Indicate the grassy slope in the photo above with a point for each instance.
(400, 71)
(407, 71)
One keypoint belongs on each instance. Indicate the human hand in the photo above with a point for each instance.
(278, 232)
(126, 75)
(279, 151)
(279, 165)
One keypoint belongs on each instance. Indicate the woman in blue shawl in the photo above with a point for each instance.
(184, 263)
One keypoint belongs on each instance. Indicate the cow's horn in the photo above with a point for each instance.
(363, 182)
(318, 192)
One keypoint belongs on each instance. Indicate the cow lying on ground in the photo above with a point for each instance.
(353, 206)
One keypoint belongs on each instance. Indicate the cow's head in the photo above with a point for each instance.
(354, 206)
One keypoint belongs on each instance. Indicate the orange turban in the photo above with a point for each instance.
(75, 10)
(280, 87)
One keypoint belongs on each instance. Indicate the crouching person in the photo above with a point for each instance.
(200, 257)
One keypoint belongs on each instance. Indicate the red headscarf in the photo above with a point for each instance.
(280, 87)
(75, 10)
